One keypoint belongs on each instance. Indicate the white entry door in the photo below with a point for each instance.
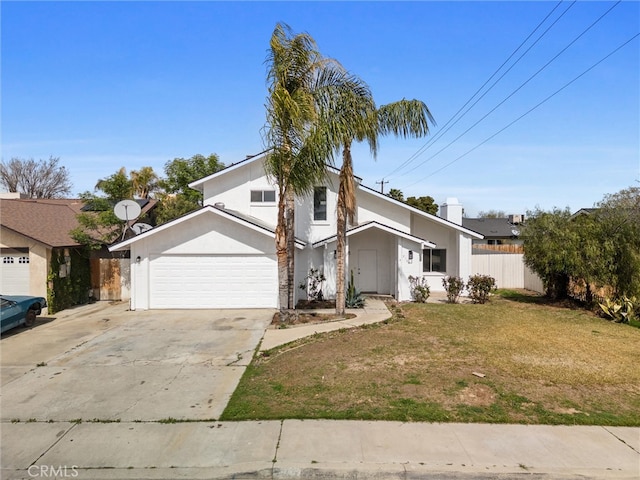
(367, 278)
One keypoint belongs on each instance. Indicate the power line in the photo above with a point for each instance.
(517, 89)
(527, 112)
(444, 129)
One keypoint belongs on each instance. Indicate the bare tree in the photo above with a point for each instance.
(36, 179)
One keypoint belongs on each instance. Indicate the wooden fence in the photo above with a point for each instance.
(110, 278)
(504, 248)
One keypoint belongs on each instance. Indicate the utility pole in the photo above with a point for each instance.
(382, 182)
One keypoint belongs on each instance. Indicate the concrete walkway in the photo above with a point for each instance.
(374, 311)
(312, 449)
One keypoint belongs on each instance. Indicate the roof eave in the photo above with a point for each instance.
(435, 218)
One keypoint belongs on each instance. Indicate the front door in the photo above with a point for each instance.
(367, 277)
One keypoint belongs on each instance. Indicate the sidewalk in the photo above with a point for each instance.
(316, 449)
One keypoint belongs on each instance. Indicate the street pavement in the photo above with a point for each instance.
(135, 395)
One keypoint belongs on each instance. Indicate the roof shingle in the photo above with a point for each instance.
(46, 221)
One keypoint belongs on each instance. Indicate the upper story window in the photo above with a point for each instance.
(434, 260)
(263, 196)
(320, 203)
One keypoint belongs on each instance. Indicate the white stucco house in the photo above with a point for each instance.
(223, 255)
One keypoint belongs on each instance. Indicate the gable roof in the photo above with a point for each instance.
(492, 227)
(197, 184)
(47, 221)
(379, 226)
(245, 220)
(420, 213)
(584, 211)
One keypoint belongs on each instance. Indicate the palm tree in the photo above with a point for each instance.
(305, 92)
(291, 111)
(145, 181)
(361, 121)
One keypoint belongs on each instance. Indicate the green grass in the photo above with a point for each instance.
(542, 364)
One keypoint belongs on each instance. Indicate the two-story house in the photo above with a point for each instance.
(223, 255)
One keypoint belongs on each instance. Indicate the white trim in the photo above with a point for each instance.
(207, 208)
(435, 218)
(379, 226)
(197, 184)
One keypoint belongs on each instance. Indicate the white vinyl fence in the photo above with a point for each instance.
(508, 269)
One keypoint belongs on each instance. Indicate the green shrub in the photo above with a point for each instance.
(480, 287)
(454, 287)
(419, 289)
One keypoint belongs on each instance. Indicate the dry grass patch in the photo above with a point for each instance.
(541, 364)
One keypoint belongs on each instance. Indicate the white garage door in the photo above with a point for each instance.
(14, 274)
(213, 281)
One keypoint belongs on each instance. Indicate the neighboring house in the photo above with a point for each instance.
(584, 211)
(33, 232)
(223, 255)
(502, 234)
(30, 231)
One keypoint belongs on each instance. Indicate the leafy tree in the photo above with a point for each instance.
(618, 217)
(178, 198)
(36, 179)
(116, 187)
(601, 249)
(180, 172)
(98, 225)
(550, 249)
(492, 214)
(301, 84)
(426, 204)
(396, 194)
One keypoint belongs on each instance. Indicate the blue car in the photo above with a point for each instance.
(19, 309)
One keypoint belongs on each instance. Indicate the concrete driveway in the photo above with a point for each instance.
(104, 363)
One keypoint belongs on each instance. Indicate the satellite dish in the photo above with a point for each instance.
(515, 231)
(127, 210)
(139, 228)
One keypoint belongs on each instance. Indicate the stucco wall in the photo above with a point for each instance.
(233, 189)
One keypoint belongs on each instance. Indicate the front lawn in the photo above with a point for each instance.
(513, 360)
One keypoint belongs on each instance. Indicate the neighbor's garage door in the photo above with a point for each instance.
(213, 281)
(14, 274)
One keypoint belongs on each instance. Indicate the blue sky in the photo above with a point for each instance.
(109, 84)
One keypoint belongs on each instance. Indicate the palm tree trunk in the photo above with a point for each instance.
(345, 211)
(281, 253)
(341, 243)
(291, 247)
